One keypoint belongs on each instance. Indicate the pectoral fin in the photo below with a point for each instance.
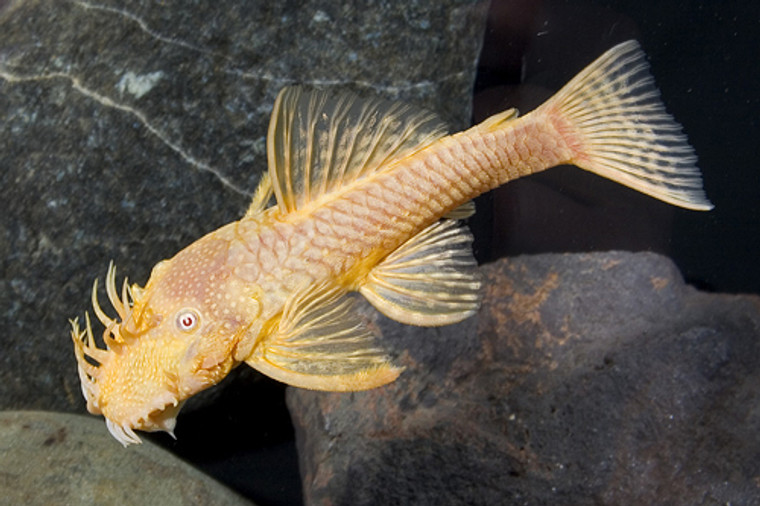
(319, 343)
(430, 280)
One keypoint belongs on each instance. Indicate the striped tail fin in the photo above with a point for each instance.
(616, 126)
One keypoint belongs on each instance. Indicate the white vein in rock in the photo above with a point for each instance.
(267, 76)
(146, 28)
(405, 86)
(107, 102)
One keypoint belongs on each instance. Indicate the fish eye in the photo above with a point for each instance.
(187, 320)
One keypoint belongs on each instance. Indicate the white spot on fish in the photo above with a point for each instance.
(138, 85)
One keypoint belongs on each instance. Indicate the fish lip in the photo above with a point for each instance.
(165, 418)
(158, 419)
(161, 416)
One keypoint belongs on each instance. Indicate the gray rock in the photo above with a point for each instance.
(128, 132)
(59, 459)
(587, 379)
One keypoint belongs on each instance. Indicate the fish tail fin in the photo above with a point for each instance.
(615, 125)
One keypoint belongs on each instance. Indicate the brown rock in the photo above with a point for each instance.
(588, 379)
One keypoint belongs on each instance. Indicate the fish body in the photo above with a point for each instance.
(368, 195)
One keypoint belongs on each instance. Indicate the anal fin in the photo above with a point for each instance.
(320, 343)
(430, 280)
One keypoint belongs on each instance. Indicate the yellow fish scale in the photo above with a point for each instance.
(344, 236)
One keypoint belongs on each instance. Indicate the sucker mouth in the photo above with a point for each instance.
(161, 419)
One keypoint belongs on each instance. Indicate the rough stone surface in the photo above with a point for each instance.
(56, 459)
(587, 379)
(127, 130)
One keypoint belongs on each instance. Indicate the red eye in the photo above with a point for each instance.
(187, 320)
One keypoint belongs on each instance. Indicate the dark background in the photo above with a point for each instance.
(703, 55)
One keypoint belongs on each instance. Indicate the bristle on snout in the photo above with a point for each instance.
(84, 347)
(89, 356)
(122, 304)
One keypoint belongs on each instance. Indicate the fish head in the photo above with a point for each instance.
(172, 339)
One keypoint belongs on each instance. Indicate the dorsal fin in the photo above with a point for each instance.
(319, 141)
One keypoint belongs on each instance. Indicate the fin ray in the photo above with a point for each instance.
(319, 141)
(319, 343)
(261, 196)
(430, 280)
(618, 128)
(462, 212)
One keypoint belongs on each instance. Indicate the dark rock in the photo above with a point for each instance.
(128, 132)
(59, 459)
(587, 379)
